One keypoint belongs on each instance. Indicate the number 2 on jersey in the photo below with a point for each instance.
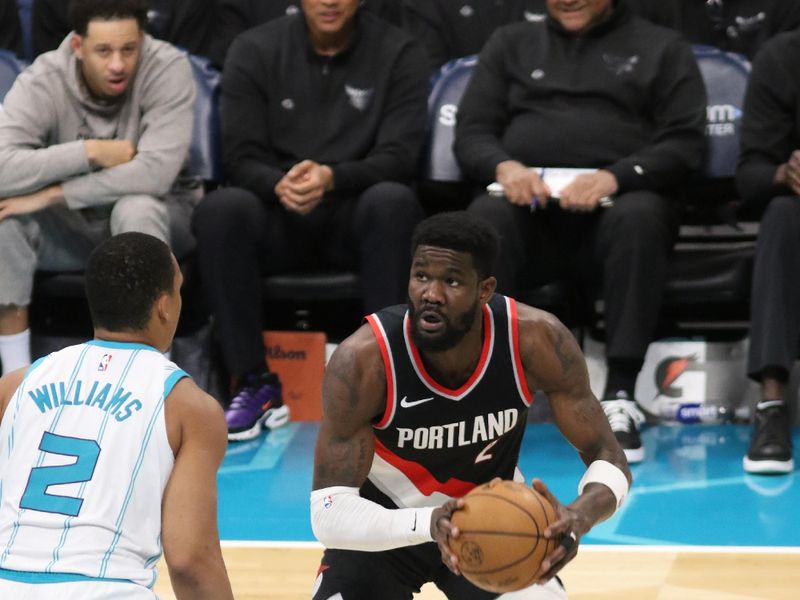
(86, 453)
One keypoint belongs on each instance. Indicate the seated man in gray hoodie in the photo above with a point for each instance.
(92, 138)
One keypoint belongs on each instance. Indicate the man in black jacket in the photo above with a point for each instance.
(455, 29)
(237, 16)
(732, 25)
(590, 87)
(768, 177)
(323, 117)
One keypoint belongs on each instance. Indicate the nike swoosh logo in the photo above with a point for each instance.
(414, 528)
(409, 403)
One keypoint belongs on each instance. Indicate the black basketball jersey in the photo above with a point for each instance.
(433, 443)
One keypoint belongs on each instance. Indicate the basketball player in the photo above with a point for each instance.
(428, 400)
(109, 452)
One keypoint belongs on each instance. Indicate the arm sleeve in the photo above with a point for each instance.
(249, 157)
(340, 518)
(399, 137)
(166, 133)
(27, 162)
(766, 136)
(679, 115)
(482, 115)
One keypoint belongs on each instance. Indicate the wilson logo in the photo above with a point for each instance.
(276, 352)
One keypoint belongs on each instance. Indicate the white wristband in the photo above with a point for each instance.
(610, 475)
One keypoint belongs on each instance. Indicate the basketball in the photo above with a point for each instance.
(501, 543)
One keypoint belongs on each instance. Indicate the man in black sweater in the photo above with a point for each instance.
(590, 87)
(237, 16)
(323, 116)
(732, 25)
(455, 29)
(768, 178)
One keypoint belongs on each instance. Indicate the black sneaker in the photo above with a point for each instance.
(771, 445)
(625, 418)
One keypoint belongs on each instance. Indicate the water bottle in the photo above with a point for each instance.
(693, 412)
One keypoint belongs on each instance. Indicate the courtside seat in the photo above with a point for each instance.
(10, 67)
(440, 184)
(314, 285)
(711, 270)
(439, 163)
(25, 12)
(205, 157)
(326, 300)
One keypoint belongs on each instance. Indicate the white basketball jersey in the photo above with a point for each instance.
(84, 459)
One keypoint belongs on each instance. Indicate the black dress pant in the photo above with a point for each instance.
(775, 295)
(241, 238)
(626, 248)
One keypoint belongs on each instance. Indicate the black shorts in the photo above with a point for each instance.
(390, 575)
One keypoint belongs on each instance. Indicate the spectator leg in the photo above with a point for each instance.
(775, 297)
(512, 224)
(385, 216)
(634, 242)
(229, 225)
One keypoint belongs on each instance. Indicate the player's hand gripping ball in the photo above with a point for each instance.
(501, 543)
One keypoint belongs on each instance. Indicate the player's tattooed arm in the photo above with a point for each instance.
(554, 364)
(353, 395)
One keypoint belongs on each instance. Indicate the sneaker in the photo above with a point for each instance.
(257, 404)
(625, 418)
(770, 449)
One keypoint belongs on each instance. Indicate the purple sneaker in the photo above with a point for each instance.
(257, 403)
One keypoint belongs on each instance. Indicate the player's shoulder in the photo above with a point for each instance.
(195, 419)
(530, 316)
(191, 408)
(537, 325)
(190, 398)
(358, 352)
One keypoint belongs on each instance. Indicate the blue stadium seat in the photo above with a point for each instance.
(205, 153)
(725, 75)
(711, 270)
(25, 9)
(10, 67)
(439, 162)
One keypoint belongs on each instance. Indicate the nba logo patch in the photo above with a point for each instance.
(104, 362)
(327, 502)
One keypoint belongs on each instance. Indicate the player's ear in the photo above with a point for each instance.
(162, 307)
(486, 289)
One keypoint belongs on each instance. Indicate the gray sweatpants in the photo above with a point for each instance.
(60, 239)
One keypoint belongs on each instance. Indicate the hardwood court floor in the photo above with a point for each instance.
(694, 527)
(597, 573)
